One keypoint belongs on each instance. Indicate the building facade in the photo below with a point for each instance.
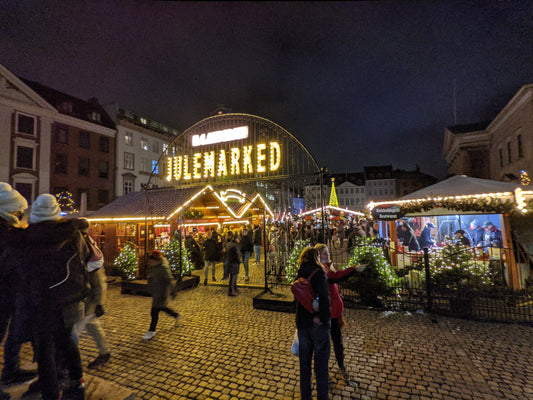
(51, 142)
(498, 150)
(140, 142)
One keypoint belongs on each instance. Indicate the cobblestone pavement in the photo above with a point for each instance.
(223, 348)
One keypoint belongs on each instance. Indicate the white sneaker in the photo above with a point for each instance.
(148, 335)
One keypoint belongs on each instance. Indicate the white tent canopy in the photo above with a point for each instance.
(461, 185)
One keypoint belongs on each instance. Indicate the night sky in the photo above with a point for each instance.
(358, 83)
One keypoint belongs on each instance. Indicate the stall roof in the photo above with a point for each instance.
(461, 185)
(164, 203)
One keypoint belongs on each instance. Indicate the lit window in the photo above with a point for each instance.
(143, 120)
(129, 161)
(144, 144)
(128, 138)
(155, 167)
(96, 116)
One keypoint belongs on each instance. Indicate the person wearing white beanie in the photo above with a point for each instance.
(11, 203)
(44, 208)
(12, 206)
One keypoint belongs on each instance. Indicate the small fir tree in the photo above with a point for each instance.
(378, 278)
(292, 268)
(171, 251)
(65, 202)
(126, 262)
(454, 267)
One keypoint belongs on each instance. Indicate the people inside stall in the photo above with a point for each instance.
(492, 237)
(460, 238)
(425, 239)
(476, 233)
(407, 236)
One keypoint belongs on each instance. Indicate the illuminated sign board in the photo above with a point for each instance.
(260, 158)
(387, 212)
(225, 135)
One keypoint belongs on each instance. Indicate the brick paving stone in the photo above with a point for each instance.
(224, 349)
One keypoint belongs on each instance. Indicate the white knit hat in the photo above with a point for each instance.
(10, 199)
(44, 208)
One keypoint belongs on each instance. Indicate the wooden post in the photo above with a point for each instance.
(512, 268)
(393, 243)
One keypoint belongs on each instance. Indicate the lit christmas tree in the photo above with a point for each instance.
(333, 201)
(126, 262)
(65, 202)
(377, 279)
(292, 268)
(171, 251)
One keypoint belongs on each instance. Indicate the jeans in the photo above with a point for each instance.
(314, 340)
(232, 287)
(257, 253)
(245, 259)
(206, 266)
(94, 328)
(336, 338)
(155, 316)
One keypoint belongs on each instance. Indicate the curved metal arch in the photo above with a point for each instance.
(230, 116)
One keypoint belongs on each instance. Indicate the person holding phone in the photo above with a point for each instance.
(337, 306)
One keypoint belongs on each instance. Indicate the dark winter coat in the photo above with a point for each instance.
(39, 240)
(246, 245)
(160, 284)
(211, 250)
(319, 282)
(233, 257)
(10, 239)
(257, 237)
(425, 239)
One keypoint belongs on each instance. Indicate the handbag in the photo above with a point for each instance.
(303, 292)
(295, 344)
(96, 258)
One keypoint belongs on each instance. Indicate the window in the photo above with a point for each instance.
(85, 140)
(24, 157)
(95, 116)
(155, 167)
(129, 161)
(144, 144)
(128, 186)
(501, 157)
(60, 164)
(103, 197)
(145, 165)
(25, 189)
(352, 190)
(62, 134)
(155, 147)
(520, 147)
(509, 152)
(103, 144)
(26, 124)
(103, 170)
(83, 166)
(66, 106)
(165, 147)
(128, 138)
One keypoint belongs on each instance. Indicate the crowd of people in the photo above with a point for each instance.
(51, 289)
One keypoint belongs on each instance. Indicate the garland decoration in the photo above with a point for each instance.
(484, 205)
(193, 214)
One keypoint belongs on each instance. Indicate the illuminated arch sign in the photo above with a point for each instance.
(236, 161)
(234, 148)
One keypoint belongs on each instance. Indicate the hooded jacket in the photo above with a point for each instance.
(160, 283)
(39, 239)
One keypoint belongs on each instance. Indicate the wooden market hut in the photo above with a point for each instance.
(463, 195)
(144, 218)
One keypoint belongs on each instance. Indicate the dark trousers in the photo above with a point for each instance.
(52, 336)
(314, 341)
(155, 315)
(336, 338)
